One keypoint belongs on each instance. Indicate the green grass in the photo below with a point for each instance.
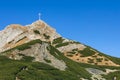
(27, 58)
(73, 67)
(40, 71)
(114, 59)
(24, 46)
(110, 76)
(87, 52)
(9, 69)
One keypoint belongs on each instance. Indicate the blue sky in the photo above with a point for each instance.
(92, 22)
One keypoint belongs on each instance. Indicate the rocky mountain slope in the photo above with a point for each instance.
(38, 52)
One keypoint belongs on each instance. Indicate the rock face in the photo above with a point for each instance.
(40, 53)
(96, 74)
(15, 35)
(9, 34)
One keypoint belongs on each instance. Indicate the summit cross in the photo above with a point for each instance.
(39, 16)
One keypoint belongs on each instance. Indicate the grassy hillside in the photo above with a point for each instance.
(9, 69)
(25, 69)
(114, 59)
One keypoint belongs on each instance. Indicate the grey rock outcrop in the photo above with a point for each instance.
(41, 54)
(96, 74)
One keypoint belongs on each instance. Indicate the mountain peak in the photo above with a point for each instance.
(38, 42)
(38, 22)
(17, 34)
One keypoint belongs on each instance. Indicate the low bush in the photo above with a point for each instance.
(86, 52)
(46, 36)
(58, 40)
(62, 44)
(36, 32)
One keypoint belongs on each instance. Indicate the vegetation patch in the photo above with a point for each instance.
(27, 58)
(90, 60)
(58, 40)
(99, 59)
(62, 44)
(73, 66)
(10, 42)
(75, 50)
(76, 42)
(27, 45)
(9, 69)
(46, 36)
(48, 61)
(36, 32)
(87, 52)
(112, 75)
(69, 55)
(24, 46)
(114, 59)
(106, 59)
